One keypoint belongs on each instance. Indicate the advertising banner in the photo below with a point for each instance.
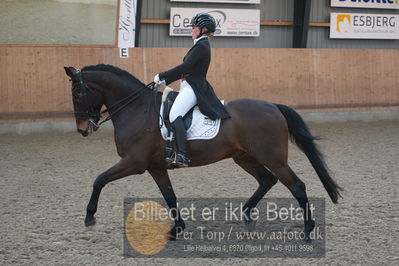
(127, 23)
(392, 4)
(229, 22)
(364, 26)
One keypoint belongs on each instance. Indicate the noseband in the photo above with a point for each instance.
(93, 116)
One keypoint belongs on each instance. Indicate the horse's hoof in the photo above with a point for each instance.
(90, 221)
(250, 225)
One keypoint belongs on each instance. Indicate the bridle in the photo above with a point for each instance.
(94, 117)
(79, 85)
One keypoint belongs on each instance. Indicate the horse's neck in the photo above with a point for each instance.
(136, 116)
(114, 93)
(136, 124)
(112, 87)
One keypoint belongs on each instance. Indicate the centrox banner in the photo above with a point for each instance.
(392, 4)
(229, 22)
(364, 26)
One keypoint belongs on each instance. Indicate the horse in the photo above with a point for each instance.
(255, 137)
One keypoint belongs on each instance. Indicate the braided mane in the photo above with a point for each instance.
(110, 68)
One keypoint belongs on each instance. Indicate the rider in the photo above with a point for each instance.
(194, 88)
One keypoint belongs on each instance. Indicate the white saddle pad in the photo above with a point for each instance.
(202, 127)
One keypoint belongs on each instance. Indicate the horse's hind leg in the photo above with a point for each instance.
(298, 190)
(265, 179)
(161, 177)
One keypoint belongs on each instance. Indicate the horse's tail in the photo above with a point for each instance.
(301, 136)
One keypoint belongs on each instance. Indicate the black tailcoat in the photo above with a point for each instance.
(194, 69)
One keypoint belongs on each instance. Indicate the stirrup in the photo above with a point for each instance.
(168, 152)
(181, 160)
(169, 155)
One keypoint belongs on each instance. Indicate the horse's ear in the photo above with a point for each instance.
(70, 71)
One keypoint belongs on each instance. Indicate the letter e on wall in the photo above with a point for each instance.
(124, 52)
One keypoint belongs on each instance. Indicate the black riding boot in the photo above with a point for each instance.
(181, 142)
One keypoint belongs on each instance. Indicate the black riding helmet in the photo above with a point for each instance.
(204, 20)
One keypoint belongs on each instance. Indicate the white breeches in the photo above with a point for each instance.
(184, 101)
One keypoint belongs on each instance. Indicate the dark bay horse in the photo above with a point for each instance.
(256, 137)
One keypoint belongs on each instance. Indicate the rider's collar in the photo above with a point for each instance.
(200, 38)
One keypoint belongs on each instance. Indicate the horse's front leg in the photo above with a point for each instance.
(161, 177)
(123, 168)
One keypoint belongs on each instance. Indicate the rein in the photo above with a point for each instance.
(120, 105)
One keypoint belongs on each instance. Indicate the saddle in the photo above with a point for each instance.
(168, 102)
(198, 126)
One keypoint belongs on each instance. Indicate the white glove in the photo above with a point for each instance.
(159, 84)
(157, 81)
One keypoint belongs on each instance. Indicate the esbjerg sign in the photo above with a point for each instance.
(229, 22)
(364, 26)
(389, 4)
